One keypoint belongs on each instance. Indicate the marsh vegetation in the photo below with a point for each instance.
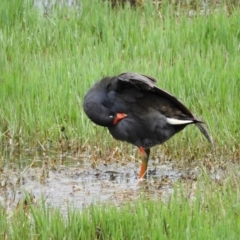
(48, 61)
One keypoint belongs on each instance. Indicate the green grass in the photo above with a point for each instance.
(212, 214)
(49, 62)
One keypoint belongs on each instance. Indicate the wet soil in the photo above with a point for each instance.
(63, 181)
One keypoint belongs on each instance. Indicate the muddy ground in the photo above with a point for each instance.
(64, 181)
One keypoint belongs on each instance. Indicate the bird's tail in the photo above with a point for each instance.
(204, 131)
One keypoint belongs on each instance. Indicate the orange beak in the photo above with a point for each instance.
(119, 116)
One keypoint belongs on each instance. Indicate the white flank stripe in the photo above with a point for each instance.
(174, 121)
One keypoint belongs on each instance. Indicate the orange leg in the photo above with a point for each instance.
(145, 155)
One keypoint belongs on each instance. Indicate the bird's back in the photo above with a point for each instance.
(147, 112)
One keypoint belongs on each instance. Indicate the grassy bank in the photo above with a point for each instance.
(210, 214)
(49, 61)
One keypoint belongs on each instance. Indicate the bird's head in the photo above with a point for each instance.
(98, 104)
(102, 115)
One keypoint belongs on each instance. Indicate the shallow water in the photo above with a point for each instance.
(73, 181)
(70, 179)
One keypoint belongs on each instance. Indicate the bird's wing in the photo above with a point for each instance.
(147, 83)
(185, 110)
(139, 81)
(174, 100)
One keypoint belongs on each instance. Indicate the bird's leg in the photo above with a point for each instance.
(145, 155)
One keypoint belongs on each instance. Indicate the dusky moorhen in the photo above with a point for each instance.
(135, 110)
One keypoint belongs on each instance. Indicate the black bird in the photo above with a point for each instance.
(135, 110)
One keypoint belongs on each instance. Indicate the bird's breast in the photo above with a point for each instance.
(133, 131)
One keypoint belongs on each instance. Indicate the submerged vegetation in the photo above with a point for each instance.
(51, 57)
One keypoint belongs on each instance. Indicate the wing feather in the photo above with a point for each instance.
(139, 81)
(147, 83)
